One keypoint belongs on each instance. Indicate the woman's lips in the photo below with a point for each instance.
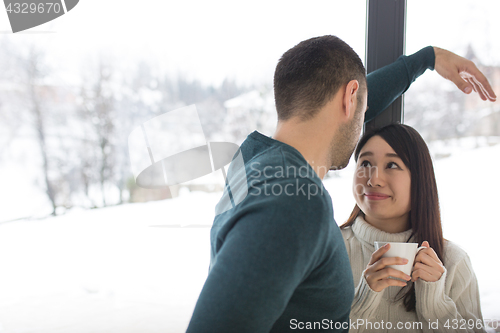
(376, 196)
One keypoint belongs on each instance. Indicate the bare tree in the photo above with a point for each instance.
(140, 100)
(35, 71)
(97, 110)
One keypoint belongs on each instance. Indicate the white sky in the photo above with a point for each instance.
(244, 39)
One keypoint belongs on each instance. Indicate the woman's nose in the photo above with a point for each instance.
(374, 178)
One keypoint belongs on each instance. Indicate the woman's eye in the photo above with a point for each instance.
(392, 165)
(365, 164)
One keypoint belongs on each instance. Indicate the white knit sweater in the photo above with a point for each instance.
(450, 304)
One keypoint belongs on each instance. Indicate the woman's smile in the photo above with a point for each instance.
(376, 196)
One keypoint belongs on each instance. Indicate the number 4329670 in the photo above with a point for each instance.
(25, 8)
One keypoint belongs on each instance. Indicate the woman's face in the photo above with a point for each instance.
(382, 185)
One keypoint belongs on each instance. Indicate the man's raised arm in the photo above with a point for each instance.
(389, 82)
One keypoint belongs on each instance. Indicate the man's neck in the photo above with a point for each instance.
(310, 139)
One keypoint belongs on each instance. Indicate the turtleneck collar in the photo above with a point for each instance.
(368, 234)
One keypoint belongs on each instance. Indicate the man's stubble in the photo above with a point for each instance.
(343, 144)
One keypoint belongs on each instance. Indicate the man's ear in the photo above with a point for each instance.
(350, 98)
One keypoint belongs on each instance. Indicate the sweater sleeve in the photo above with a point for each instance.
(366, 301)
(450, 304)
(386, 84)
(268, 252)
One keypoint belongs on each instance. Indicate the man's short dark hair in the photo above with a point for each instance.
(309, 74)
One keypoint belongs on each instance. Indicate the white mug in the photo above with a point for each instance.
(403, 250)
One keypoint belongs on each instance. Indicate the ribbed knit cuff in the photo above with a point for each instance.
(419, 62)
(431, 297)
(365, 300)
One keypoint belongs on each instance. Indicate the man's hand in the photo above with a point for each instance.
(463, 73)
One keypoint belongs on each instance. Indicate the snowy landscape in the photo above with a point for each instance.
(122, 259)
(140, 267)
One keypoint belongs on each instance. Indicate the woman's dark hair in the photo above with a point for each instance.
(424, 217)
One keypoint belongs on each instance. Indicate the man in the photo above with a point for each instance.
(278, 261)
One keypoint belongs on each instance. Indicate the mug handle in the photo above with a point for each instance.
(420, 248)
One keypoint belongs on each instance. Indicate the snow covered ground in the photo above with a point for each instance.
(140, 267)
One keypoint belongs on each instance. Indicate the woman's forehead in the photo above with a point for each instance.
(377, 146)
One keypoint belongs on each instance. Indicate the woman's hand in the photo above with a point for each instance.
(427, 265)
(377, 273)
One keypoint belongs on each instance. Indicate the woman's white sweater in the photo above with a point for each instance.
(450, 304)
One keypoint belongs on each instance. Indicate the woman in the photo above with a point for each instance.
(397, 201)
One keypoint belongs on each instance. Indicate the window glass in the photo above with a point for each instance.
(71, 92)
(462, 131)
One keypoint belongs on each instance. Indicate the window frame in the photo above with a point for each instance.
(385, 18)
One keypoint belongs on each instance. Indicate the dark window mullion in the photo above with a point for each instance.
(386, 21)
